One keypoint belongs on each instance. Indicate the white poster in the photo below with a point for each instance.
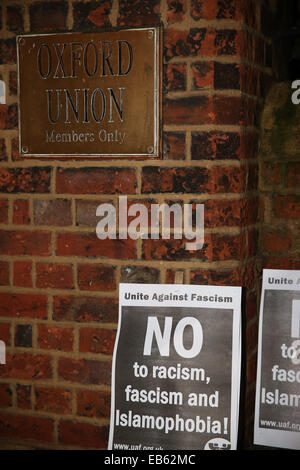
(176, 368)
(277, 408)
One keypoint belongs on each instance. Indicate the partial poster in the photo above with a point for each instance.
(277, 408)
(176, 368)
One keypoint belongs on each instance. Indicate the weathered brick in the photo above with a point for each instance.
(96, 277)
(13, 83)
(27, 366)
(3, 151)
(55, 337)
(97, 340)
(8, 52)
(287, 207)
(86, 212)
(5, 395)
(53, 400)
(175, 77)
(84, 371)
(96, 180)
(93, 403)
(203, 75)
(25, 180)
(15, 18)
(189, 43)
(83, 434)
(21, 212)
(193, 180)
(276, 241)
(91, 15)
(5, 332)
(3, 211)
(26, 427)
(24, 396)
(173, 250)
(4, 273)
(226, 76)
(140, 274)
(25, 243)
(23, 305)
(56, 276)
(23, 336)
(293, 175)
(174, 145)
(88, 245)
(23, 273)
(8, 116)
(215, 145)
(85, 309)
(138, 12)
(54, 212)
(47, 16)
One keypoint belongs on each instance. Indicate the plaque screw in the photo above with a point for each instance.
(150, 34)
(150, 149)
(21, 41)
(25, 149)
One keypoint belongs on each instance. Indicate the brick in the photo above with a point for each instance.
(173, 250)
(140, 274)
(84, 371)
(88, 245)
(191, 110)
(27, 366)
(215, 145)
(53, 400)
(83, 434)
(220, 213)
(3, 211)
(25, 243)
(14, 18)
(189, 43)
(176, 11)
(96, 181)
(15, 154)
(47, 16)
(23, 273)
(23, 305)
(56, 276)
(86, 212)
(226, 247)
(8, 115)
(293, 175)
(287, 207)
(276, 242)
(26, 427)
(175, 77)
(85, 309)
(226, 76)
(13, 83)
(5, 332)
(243, 276)
(96, 277)
(25, 180)
(174, 145)
(271, 173)
(3, 152)
(24, 396)
(280, 262)
(23, 336)
(138, 12)
(21, 212)
(203, 75)
(193, 180)
(90, 15)
(97, 340)
(93, 403)
(55, 337)
(54, 212)
(8, 52)
(5, 395)
(4, 273)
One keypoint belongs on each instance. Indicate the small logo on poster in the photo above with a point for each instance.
(218, 444)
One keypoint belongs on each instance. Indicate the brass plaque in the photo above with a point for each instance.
(90, 94)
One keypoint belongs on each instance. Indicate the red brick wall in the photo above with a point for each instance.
(58, 282)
